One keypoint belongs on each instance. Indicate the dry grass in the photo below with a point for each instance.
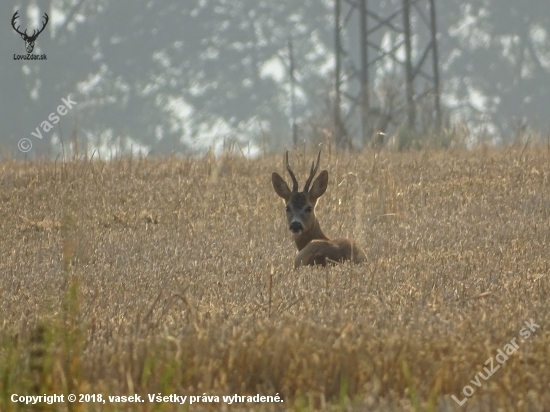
(174, 276)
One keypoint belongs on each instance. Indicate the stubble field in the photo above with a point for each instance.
(174, 276)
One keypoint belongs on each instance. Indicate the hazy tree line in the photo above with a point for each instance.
(135, 67)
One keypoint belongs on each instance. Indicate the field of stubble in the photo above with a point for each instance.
(175, 276)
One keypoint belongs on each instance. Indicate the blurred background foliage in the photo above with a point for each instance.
(182, 77)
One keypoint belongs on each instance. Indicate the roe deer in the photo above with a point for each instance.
(314, 248)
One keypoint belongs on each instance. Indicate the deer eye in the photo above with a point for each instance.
(309, 209)
(288, 208)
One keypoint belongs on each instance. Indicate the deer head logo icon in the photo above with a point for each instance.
(29, 40)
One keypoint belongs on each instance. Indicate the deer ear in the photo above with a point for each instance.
(319, 185)
(280, 186)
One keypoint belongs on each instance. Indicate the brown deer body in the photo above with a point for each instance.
(314, 248)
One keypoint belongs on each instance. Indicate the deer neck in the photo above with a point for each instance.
(312, 234)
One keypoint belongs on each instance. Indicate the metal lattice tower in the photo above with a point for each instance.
(413, 25)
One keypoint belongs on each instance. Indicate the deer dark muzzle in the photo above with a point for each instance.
(296, 227)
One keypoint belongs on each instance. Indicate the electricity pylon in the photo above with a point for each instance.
(413, 24)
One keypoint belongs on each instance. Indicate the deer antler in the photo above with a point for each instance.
(15, 16)
(312, 172)
(34, 33)
(43, 25)
(292, 176)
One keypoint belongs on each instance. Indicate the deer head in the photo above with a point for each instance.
(314, 248)
(29, 40)
(300, 206)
